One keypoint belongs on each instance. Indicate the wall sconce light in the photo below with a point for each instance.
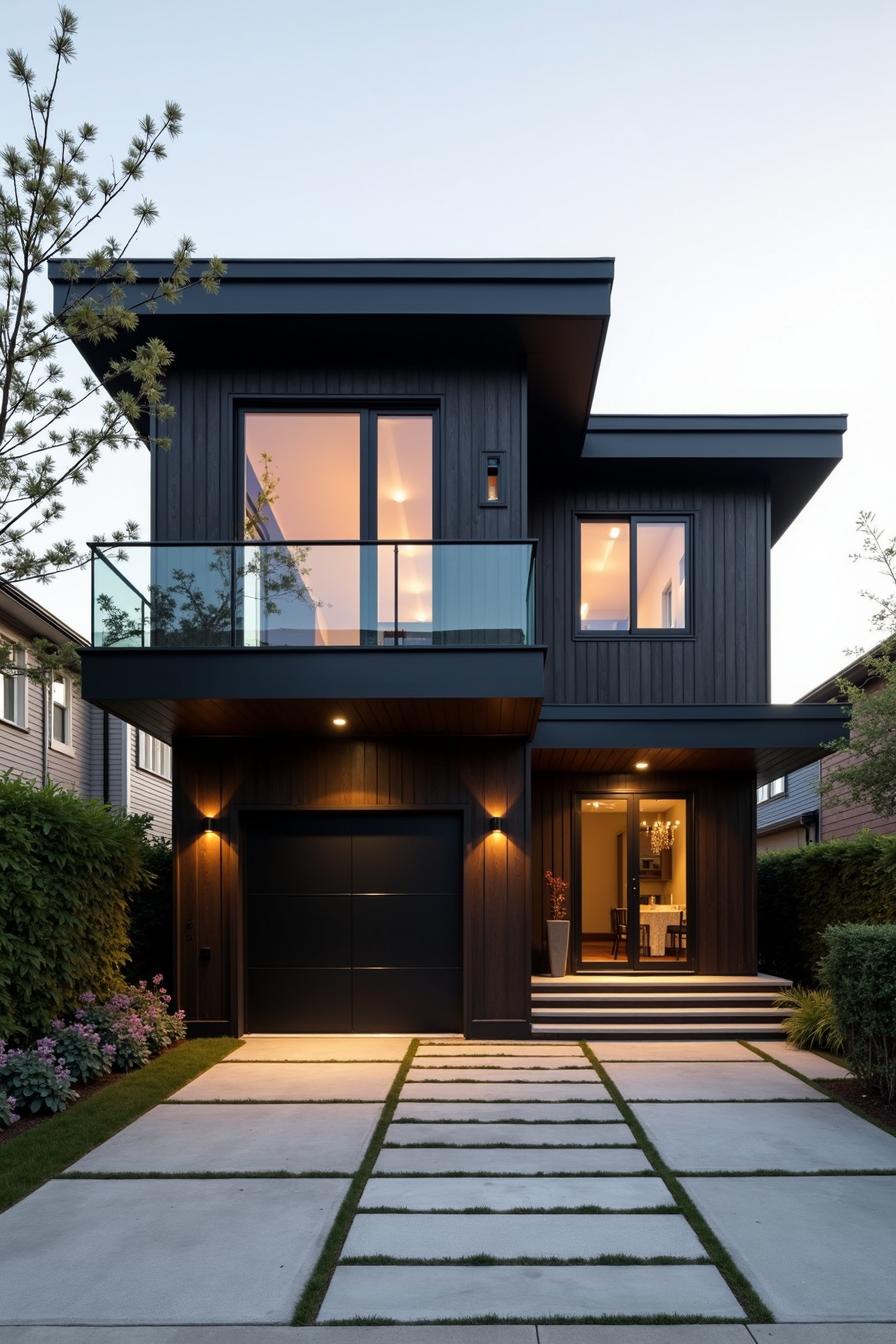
(211, 825)
(642, 765)
(496, 825)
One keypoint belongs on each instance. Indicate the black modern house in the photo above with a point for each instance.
(419, 628)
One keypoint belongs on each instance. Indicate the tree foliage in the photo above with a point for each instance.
(868, 773)
(52, 434)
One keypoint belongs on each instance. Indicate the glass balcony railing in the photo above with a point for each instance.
(391, 594)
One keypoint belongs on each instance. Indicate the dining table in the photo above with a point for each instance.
(658, 918)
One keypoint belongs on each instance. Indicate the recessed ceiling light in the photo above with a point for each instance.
(614, 533)
(399, 497)
(641, 765)
(339, 721)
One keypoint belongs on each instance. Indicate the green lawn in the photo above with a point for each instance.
(43, 1152)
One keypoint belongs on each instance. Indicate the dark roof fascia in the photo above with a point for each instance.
(856, 672)
(786, 824)
(414, 287)
(793, 454)
(689, 726)
(18, 606)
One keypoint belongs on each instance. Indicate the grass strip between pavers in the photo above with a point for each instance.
(743, 1290)
(309, 1303)
(43, 1152)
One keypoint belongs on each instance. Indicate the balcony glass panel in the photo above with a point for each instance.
(314, 595)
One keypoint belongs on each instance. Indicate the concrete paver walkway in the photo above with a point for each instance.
(221, 1200)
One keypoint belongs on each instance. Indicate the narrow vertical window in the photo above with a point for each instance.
(493, 480)
(604, 576)
(61, 704)
(13, 706)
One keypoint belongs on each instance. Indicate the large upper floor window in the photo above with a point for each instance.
(633, 575)
(152, 755)
(776, 789)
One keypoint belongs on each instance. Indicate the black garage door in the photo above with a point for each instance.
(353, 922)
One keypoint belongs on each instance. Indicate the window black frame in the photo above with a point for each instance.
(634, 631)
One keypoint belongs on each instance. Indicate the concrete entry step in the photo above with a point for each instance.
(646, 1031)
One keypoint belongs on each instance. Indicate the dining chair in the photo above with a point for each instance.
(677, 935)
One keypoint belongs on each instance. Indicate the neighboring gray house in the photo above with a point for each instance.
(787, 810)
(54, 735)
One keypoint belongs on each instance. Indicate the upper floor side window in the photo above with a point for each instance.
(633, 575)
(13, 708)
(61, 712)
(776, 789)
(153, 755)
(339, 474)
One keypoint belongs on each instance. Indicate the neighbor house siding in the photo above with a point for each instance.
(724, 661)
(148, 792)
(840, 819)
(193, 486)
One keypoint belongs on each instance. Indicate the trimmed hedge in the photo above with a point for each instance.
(67, 865)
(859, 972)
(803, 891)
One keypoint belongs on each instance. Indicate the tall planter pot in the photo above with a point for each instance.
(558, 945)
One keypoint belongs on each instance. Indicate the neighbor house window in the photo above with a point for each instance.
(777, 789)
(14, 684)
(153, 755)
(61, 706)
(632, 575)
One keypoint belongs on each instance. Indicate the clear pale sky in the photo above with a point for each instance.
(737, 159)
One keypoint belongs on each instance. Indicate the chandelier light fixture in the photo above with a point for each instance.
(661, 834)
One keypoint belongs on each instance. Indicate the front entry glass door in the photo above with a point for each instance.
(632, 898)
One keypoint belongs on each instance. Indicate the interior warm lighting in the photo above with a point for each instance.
(641, 765)
(583, 611)
(339, 721)
(399, 497)
(614, 533)
(496, 825)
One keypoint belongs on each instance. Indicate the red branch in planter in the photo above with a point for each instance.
(558, 888)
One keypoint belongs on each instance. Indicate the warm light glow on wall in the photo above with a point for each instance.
(496, 827)
(339, 721)
(642, 765)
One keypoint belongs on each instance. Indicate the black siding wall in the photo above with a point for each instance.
(483, 409)
(727, 659)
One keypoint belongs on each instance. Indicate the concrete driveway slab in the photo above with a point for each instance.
(504, 1091)
(710, 1082)
(290, 1082)
(540, 1077)
(805, 1062)
(511, 1161)
(321, 1048)
(523, 1112)
(415, 1334)
(816, 1248)
(270, 1334)
(665, 1051)
(163, 1252)
(737, 1136)
(487, 1136)
(644, 1334)
(435, 1063)
(430, 1049)
(427, 1292)
(239, 1138)
(439, 1236)
(822, 1334)
(423, 1194)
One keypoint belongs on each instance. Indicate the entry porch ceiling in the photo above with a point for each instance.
(265, 692)
(771, 740)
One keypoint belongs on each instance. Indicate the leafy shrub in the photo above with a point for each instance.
(8, 1113)
(119, 1028)
(802, 891)
(66, 867)
(151, 915)
(79, 1047)
(811, 1025)
(152, 1004)
(859, 970)
(36, 1078)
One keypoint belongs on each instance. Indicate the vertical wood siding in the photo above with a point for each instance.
(483, 778)
(722, 897)
(727, 659)
(484, 410)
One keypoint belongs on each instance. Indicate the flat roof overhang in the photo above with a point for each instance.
(381, 692)
(771, 740)
(794, 454)
(551, 313)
